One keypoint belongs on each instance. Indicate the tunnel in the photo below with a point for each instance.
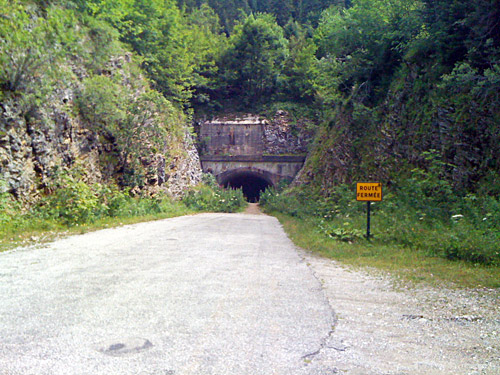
(252, 184)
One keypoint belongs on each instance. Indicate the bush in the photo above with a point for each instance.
(274, 200)
(209, 196)
(8, 206)
(72, 202)
(451, 227)
(344, 233)
(305, 202)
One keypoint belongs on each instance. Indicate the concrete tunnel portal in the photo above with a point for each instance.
(249, 153)
(252, 183)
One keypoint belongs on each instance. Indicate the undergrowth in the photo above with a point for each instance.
(417, 218)
(209, 196)
(72, 205)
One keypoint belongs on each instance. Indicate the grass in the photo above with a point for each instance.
(75, 207)
(32, 232)
(403, 262)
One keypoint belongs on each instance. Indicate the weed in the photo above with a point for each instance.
(209, 196)
(449, 228)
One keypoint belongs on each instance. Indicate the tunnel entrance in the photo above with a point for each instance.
(251, 183)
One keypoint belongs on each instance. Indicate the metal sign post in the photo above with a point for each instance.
(368, 192)
(368, 209)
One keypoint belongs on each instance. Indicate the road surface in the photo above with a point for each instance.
(206, 294)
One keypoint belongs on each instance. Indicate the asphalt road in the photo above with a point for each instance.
(206, 294)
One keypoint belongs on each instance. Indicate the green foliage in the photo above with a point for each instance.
(361, 47)
(137, 125)
(456, 31)
(426, 190)
(208, 43)
(473, 137)
(211, 197)
(420, 218)
(255, 57)
(8, 206)
(306, 203)
(300, 70)
(102, 103)
(396, 79)
(177, 49)
(31, 48)
(152, 127)
(22, 45)
(278, 201)
(229, 11)
(72, 202)
(102, 44)
(344, 234)
(304, 11)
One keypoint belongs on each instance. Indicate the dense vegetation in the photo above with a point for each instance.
(81, 206)
(408, 93)
(460, 228)
(403, 91)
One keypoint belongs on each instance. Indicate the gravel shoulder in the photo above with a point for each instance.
(388, 329)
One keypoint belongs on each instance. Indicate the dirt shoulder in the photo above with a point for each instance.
(384, 329)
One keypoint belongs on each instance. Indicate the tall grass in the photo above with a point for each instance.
(447, 226)
(209, 196)
(71, 205)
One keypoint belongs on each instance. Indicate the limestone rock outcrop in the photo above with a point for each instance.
(38, 142)
(284, 136)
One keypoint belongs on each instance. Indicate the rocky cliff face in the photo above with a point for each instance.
(453, 139)
(34, 145)
(39, 140)
(185, 170)
(283, 136)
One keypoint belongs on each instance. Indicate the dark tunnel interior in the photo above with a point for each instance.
(251, 184)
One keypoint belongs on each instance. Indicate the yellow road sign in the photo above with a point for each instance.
(369, 191)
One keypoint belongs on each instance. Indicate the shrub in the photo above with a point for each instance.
(344, 233)
(305, 202)
(72, 202)
(274, 200)
(8, 206)
(209, 196)
(451, 227)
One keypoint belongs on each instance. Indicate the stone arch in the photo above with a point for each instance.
(253, 181)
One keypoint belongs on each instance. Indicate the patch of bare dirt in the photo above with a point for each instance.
(253, 209)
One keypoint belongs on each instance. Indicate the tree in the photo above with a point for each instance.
(157, 31)
(459, 29)
(365, 44)
(301, 66)
(207, 42)
(254, 60)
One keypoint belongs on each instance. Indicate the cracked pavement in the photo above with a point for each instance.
(205, 294)
(388, 328)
